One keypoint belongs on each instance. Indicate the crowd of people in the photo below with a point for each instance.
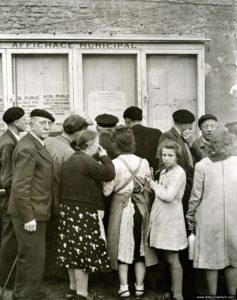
(121, 196)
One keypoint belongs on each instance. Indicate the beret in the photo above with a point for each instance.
(42, 113)
(106, 120)
(183, 116)
(206, 117)
(133, 113)
(12, 114)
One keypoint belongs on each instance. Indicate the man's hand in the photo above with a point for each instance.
(30, 226)
(188, 137)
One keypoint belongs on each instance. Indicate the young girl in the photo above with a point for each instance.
(167, 225)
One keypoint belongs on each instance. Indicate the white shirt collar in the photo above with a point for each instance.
(38, 139)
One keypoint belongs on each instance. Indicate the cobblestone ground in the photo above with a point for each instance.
(56, 291)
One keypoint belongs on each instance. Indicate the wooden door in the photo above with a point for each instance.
(171, 85)
(109, 83)
(42, 81)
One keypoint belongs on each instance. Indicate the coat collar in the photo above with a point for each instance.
(40, 148)
(8, 132)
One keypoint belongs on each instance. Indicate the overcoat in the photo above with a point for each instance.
(31, 193)
(212, 211)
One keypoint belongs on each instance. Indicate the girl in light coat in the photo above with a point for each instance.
(167, 225)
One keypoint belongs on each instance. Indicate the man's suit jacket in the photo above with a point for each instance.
(31, 193)
(147, 140)
(183, 161)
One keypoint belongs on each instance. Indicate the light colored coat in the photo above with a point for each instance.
(213, 213)
(167, 225)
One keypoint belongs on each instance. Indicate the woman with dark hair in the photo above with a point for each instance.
(167, 224)
(212, 214)
(81, 238)
(129, 218)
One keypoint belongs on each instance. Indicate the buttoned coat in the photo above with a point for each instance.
(183, 161)
(31, 193)
(212, 211)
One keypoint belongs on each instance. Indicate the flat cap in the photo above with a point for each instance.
(42, 113)
(133, 113)
(106, 120)
(12, 114)
(206, 117)
(183, 116)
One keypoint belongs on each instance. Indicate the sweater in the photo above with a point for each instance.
(82, 178)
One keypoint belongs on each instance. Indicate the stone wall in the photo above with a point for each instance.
(214, 19)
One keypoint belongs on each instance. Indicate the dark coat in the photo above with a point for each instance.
(147, 140)
(31, 193)
(8, 144)
(183, 161)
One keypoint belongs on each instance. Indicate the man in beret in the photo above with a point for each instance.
(181, 133)
(208, 125)
(30, 204)
(146, 138)
(105, 127)
(15, 120)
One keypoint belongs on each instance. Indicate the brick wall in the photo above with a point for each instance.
(214, 19)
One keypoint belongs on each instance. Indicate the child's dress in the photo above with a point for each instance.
(167, 225)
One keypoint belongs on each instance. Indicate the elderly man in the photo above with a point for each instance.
(146, 138)
(105, 127)
(30, 204)
(208, 125)
(15, 119)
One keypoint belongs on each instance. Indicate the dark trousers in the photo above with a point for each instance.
(8, 250)
(31, 259)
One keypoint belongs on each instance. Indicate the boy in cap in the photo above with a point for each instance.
(146, 138)
(15, 119)
(208, 125)
(105, 127)
(30, 204)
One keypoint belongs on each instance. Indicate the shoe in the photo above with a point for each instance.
(139, 291)
(70, 293)
(124, 294)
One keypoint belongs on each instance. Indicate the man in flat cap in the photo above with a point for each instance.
(146, 138)
(181, 133)
(208, 125)
(30, 204)
(105, 127)
(15, 119)
(60, 149)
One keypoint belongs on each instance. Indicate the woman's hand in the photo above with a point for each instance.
(102, 151)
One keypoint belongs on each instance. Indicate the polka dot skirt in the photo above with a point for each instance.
(79, 245)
